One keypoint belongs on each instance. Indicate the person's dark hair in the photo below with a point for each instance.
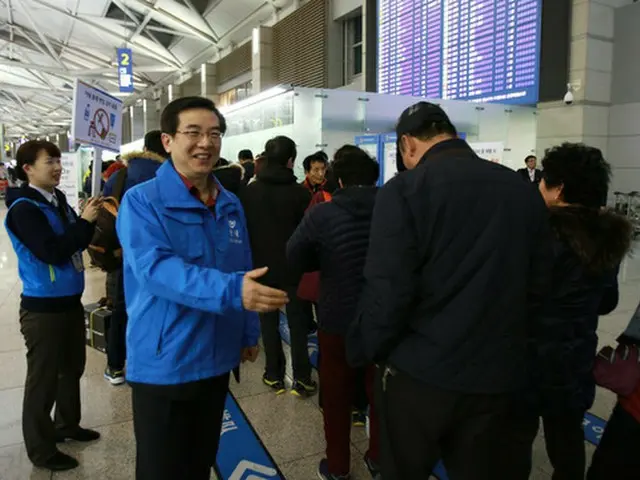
(153, 143)
(314, 158)
(105, 165)
(245, 155)
(323, 154)
(344, 150)
(582, 172)
(279, 150)
(171, 113)
(28, 153)
(526, 160)
(355, 167)
(425, 121)
(222, 162)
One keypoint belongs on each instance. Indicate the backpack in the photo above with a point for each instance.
(105, 249)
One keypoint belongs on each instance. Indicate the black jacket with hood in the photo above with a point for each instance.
(30, 225)
(274, 206)
(587, 250)
(334, 238)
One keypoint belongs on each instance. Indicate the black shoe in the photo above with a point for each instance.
(373, 467)
(359, 418)
(304, 388)
(79, 435)
(275, 385)
(114, 376)
(59, 462)
(324, 474)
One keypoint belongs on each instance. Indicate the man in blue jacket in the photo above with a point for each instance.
(189, 297)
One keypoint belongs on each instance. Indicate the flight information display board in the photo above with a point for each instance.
(476, 50)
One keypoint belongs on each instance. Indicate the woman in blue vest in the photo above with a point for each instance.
(48, 238)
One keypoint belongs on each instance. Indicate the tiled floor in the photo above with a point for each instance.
(290, 428)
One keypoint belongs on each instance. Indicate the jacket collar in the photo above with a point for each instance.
(142, 155)
(455, 146)
(175, 195)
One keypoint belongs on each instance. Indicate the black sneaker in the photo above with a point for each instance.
(323, 472)
(373, 467)
(304, 388)
(359, 418)
(59, 462)
(113, 376)
(79, 435)
(277, 386)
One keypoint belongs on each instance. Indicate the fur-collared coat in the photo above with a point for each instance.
(588, 248)
(141, 167)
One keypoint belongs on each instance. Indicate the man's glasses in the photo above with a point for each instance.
(196, 136)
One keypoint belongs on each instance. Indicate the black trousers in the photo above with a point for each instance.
(177, 428)
(56, 358)
(564, 441)
(116, 334)
(617, 455)
(423, 424)
(298, 331)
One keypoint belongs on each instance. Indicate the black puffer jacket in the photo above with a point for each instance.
(588, 248)
(274, 206)
(334, 238)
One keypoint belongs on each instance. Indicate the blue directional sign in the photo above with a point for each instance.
(125, 70)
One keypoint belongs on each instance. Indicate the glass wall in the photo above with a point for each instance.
(236, 94)
(327, 119)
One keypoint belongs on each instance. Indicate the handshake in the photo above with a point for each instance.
(259, 298)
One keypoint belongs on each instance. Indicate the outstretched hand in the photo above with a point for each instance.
(259, 298)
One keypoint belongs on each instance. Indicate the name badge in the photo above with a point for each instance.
(78, 262)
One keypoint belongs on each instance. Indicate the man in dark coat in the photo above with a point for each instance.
(531, 174)
(274, 206)
(456, 263)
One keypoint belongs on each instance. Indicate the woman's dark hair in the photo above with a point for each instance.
(279, 150)
(344, 150)
(582, 172)
(355, 167)
(171, 114)
(28, 154)
(314, 158)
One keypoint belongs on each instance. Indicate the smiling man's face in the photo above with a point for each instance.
(195, 148)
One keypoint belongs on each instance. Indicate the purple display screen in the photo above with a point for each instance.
(475, 50)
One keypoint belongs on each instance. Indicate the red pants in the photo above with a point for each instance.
(338, 380)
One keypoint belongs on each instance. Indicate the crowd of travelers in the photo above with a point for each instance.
(456, 306)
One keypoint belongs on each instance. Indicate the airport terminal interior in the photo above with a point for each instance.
(91, 78)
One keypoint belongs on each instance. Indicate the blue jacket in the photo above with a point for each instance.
(42, 280)
(141, 167)
(183, 274)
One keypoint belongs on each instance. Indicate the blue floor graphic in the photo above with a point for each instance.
(593, 425)
(242, 455)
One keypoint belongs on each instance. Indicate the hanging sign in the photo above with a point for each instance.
(97, 117)
(125, 70)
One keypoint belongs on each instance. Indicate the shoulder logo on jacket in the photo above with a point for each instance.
(234, 233)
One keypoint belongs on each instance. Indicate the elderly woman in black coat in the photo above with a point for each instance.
(589, 244)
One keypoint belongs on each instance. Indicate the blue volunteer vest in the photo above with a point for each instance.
(41, 280)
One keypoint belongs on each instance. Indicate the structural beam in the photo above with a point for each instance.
(121, 38)
(43, 37)
(161, 15)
